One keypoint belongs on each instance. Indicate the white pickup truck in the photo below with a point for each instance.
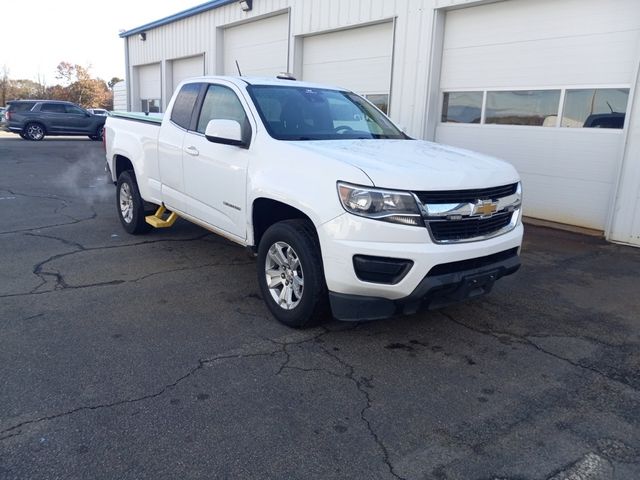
(344, 210)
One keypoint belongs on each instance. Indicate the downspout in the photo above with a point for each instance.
(127, 80)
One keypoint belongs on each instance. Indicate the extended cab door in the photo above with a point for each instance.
(215, 175)
(170, 142)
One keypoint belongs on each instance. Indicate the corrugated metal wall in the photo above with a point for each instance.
(199, 35)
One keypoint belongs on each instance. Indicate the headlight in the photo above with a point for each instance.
(385, 205)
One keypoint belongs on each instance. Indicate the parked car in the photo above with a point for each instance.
(342, 208)
(34, 119)
(98, 111)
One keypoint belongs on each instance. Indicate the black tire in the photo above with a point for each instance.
(312, 307)
(34, 131)
(23, 135)
(130, 205)
(98, 135)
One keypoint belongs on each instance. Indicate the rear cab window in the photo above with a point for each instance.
(182, 111)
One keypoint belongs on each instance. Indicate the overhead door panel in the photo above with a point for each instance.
(357, 58)
(545, 42)
(149, 78)
(184, 68)
(560, 53)
(260, 47)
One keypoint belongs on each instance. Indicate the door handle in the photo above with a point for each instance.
(191, 150)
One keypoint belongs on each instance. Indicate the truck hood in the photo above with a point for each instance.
(415, 164)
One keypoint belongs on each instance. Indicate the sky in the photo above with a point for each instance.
(35, 39)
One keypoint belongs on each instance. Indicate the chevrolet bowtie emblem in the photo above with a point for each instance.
(484, 208)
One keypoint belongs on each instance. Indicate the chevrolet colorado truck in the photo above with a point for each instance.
(345, 212)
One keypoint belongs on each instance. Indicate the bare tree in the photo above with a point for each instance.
(4, 85)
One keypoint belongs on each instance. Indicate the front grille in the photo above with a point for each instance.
(467, 196)
(457, 230)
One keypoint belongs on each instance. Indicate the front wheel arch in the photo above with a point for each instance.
(266, 212)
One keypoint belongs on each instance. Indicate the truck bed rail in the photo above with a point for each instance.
(152, 118)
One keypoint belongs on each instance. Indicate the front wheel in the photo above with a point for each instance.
(130, 204)
(291, 275)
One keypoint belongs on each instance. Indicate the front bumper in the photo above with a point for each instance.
(347, 236)
(432, 292)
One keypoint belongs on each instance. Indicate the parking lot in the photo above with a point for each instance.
(154, 356)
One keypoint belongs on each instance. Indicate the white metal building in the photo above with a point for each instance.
(120, 96)
(548, 85)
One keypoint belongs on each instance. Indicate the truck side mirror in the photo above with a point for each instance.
(227, 132)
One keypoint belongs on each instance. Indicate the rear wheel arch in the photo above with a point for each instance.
(122, 164)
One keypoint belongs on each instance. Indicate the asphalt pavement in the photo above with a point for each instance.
(153, 357)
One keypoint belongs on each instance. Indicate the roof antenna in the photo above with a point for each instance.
(610, 107)
(238, 67)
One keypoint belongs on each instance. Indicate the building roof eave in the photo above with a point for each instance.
(178, 16)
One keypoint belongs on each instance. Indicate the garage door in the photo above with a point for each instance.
(358, 59)
(527, 81)
(149, 84)
(184, 68)
(261, 47)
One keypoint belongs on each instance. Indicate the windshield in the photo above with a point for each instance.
(302, 113)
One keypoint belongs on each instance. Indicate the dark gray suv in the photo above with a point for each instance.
(33, 119)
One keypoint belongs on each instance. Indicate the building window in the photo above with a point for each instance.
(151, 105)
(595, 108)
(379, 100)
(462, 107)
(523, 107)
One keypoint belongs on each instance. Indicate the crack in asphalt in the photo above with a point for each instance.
(350, 376)
(201, 364)
(61, 284)
(45, 227)
(64, 241)
(526, 340)
(65, 204)
(361, 388)
(488, 301)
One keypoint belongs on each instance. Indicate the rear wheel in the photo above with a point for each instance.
(291, 275)
(130, 204)
(34, 131)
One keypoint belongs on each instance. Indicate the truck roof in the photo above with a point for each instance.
(265, 81)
